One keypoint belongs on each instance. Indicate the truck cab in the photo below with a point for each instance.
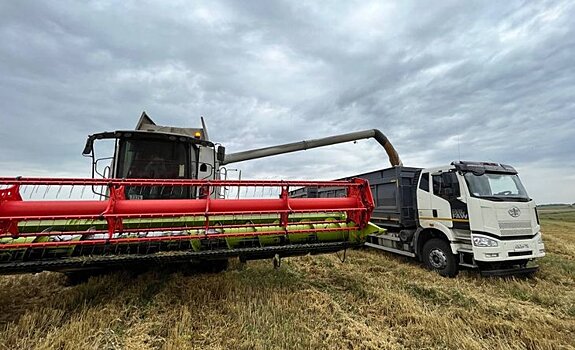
(485, 213)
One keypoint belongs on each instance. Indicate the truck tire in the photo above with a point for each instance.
(437, 256)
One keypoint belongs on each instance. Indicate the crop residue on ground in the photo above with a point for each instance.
(373, 300)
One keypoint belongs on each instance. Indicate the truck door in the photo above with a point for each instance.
(424, 200)
(437, 199)
(446, 204)
(440, 207)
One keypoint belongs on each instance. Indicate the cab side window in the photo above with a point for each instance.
(446, 186)
(424, 182)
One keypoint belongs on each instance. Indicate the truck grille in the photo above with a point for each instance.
(515, 228)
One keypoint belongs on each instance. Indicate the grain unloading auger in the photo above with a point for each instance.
(59, 229)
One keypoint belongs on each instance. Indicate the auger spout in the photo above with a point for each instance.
(322, 142)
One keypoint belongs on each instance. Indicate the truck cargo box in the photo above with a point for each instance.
(393, 191)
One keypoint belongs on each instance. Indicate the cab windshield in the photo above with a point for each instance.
(497, 187)
(154, 159)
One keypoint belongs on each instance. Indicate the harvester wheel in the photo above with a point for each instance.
(437, 256)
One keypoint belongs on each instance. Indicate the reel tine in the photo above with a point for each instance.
(46, 191)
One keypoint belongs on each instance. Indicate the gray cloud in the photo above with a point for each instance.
(487, 81)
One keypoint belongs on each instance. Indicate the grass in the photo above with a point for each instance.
(372, 301)
(557, 212)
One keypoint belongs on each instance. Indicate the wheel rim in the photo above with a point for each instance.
(437, 259)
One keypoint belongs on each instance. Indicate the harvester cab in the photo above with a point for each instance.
(153, 151)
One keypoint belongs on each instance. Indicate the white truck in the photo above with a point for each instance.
(466, 214)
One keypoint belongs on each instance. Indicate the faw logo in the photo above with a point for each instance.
(514, 212)
(459, 214)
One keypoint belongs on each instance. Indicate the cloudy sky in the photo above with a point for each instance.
(474, 80)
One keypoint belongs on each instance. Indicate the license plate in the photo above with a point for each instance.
(521, 246)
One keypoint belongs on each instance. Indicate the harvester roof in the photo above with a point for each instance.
(147, 124)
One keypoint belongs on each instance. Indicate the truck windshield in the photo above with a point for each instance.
(498, 187)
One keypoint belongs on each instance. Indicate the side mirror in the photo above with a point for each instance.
(478, 171)
(88, 148)
(105, 172)
(221, 153)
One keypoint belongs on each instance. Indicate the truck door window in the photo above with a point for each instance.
(446, 186)
(424, 182)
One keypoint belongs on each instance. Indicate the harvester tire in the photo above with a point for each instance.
(437, 256)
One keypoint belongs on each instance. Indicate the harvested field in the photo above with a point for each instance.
(372, 301)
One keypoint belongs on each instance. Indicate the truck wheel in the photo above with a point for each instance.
(437, 256)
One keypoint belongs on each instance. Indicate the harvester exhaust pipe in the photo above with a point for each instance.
(309, 144)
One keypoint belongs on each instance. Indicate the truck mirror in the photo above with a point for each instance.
(221, 153)
(478, 171)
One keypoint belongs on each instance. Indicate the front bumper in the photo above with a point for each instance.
(517, 271)
(509, 250)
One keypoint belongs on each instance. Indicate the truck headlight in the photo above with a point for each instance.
(540, 239)
(484, 242)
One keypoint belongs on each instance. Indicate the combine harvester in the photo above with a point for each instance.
(165, 197)
(162, 200)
